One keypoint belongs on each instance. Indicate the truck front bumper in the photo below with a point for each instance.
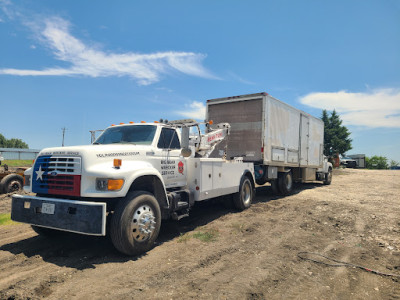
(61, 214)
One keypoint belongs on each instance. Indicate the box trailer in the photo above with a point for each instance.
(281, 141)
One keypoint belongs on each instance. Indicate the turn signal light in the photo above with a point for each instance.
(211, 122)
(115, 184)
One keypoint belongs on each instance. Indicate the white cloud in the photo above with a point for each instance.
(90, 61)
(195, 110)
(378, 108)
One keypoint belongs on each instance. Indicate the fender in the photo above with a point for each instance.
(129, 171)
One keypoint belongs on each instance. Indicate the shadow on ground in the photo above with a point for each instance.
(84, 252)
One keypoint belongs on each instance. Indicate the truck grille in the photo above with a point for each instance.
(57, 175)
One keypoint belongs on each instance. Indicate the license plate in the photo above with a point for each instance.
(48, 208)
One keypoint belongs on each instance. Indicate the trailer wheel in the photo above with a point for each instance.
(135, 223)
(263, 180)
(274, 186)
(244, 197)
(285, 183)
(11, 183)
(328, 177)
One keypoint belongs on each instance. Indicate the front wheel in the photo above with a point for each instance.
(244, 197)
(135, 223)
(328, 177)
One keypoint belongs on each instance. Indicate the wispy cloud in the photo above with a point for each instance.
(86, 60)
(236, 77)
(195, 110)
(377, 108)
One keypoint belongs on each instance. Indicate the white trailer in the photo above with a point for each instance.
(284, 143)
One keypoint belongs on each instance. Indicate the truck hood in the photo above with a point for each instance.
(99, 151)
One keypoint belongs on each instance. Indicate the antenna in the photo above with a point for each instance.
(63, 131)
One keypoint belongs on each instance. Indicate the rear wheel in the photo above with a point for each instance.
(244, 197)
(11, 183)
(285, 183)
(274, 186)
(135, 223)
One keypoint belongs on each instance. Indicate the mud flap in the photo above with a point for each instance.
(67, 215)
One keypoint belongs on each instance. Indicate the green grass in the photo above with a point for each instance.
(183, 238)
(206, 236)
(17, 163)
(5, 219)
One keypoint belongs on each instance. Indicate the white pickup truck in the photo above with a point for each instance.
(133, 176)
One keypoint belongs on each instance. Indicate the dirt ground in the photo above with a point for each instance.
(254, 254)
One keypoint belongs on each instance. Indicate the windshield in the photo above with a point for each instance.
(133, 134)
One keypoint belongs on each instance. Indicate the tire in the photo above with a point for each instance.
(274, 187)
(242, 200)
(135, 223)
(47, 232)
(328, 177)
(263, 180)
(285, 183)
(11, 183)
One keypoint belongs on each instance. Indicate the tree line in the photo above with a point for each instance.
(337, 141)
(12, 143)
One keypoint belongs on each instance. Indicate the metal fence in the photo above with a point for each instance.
(20, 154)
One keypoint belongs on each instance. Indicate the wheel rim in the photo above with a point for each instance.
(14, 186)
(288, 182)
(246, 192)
(143, 223)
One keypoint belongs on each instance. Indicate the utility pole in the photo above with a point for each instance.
(63, 131)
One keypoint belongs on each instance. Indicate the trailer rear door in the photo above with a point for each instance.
(246, 120)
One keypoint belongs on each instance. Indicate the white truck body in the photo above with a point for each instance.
(269, 132)
(66, 179)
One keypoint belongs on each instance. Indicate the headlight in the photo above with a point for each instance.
(105, 184)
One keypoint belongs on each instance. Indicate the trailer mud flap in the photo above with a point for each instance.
(67, 215)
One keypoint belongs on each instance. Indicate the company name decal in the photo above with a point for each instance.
(60, 153)
(105, 155)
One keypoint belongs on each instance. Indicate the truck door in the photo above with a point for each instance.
(304, 136)
(172, 164)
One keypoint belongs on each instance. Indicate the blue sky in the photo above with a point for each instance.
(85, 65)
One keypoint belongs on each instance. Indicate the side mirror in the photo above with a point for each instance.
(186, 152)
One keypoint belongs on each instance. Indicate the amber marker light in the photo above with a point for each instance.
(131, 122)
(117, 163)
(211, 122)
(115, 184)
(142, 122)
(121, 123)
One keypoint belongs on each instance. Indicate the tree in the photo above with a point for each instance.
(12, 143)
(376, 162)
(394, 163)
(336, 136)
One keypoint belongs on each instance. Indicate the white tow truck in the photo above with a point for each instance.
(133, 176)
